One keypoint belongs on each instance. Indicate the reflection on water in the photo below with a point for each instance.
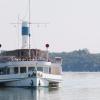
(26, 93)
(76, 86)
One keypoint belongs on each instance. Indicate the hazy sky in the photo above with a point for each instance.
(74, 24)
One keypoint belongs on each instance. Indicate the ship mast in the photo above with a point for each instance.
(29, 28)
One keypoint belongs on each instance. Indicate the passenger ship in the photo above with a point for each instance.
(29, 67)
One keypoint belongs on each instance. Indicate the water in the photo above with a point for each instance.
(75, 86)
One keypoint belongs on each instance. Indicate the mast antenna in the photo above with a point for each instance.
(29, 27)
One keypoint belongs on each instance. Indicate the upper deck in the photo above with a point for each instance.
(20, 59)
(25, 63)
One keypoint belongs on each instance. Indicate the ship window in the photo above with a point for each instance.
(46, 70)
(22, 53)
(15, 70)
(4, 71)
(31, 68)
(40, 69)
(8, 71)
(22, 69)
(49, 70)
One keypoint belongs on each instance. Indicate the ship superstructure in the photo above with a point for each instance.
(29, 67)
(18, 68)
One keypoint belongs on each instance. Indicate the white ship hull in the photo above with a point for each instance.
(13, 75)
(26, 81)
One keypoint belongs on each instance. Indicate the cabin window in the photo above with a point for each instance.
(22, 69)
(31, 68)
(49, 70)
(15, 70)
(8, 71)
(4, 71)
(0, 71)
(46, 70)
(40, 69)
(22, 53)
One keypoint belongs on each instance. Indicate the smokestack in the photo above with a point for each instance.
(25, 35)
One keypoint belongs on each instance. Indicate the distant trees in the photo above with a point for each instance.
(79, 60)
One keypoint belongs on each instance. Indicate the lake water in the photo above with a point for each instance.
(75, 86)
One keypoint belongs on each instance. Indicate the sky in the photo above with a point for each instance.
(73, 24)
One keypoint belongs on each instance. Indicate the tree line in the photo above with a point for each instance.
(79, 60)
